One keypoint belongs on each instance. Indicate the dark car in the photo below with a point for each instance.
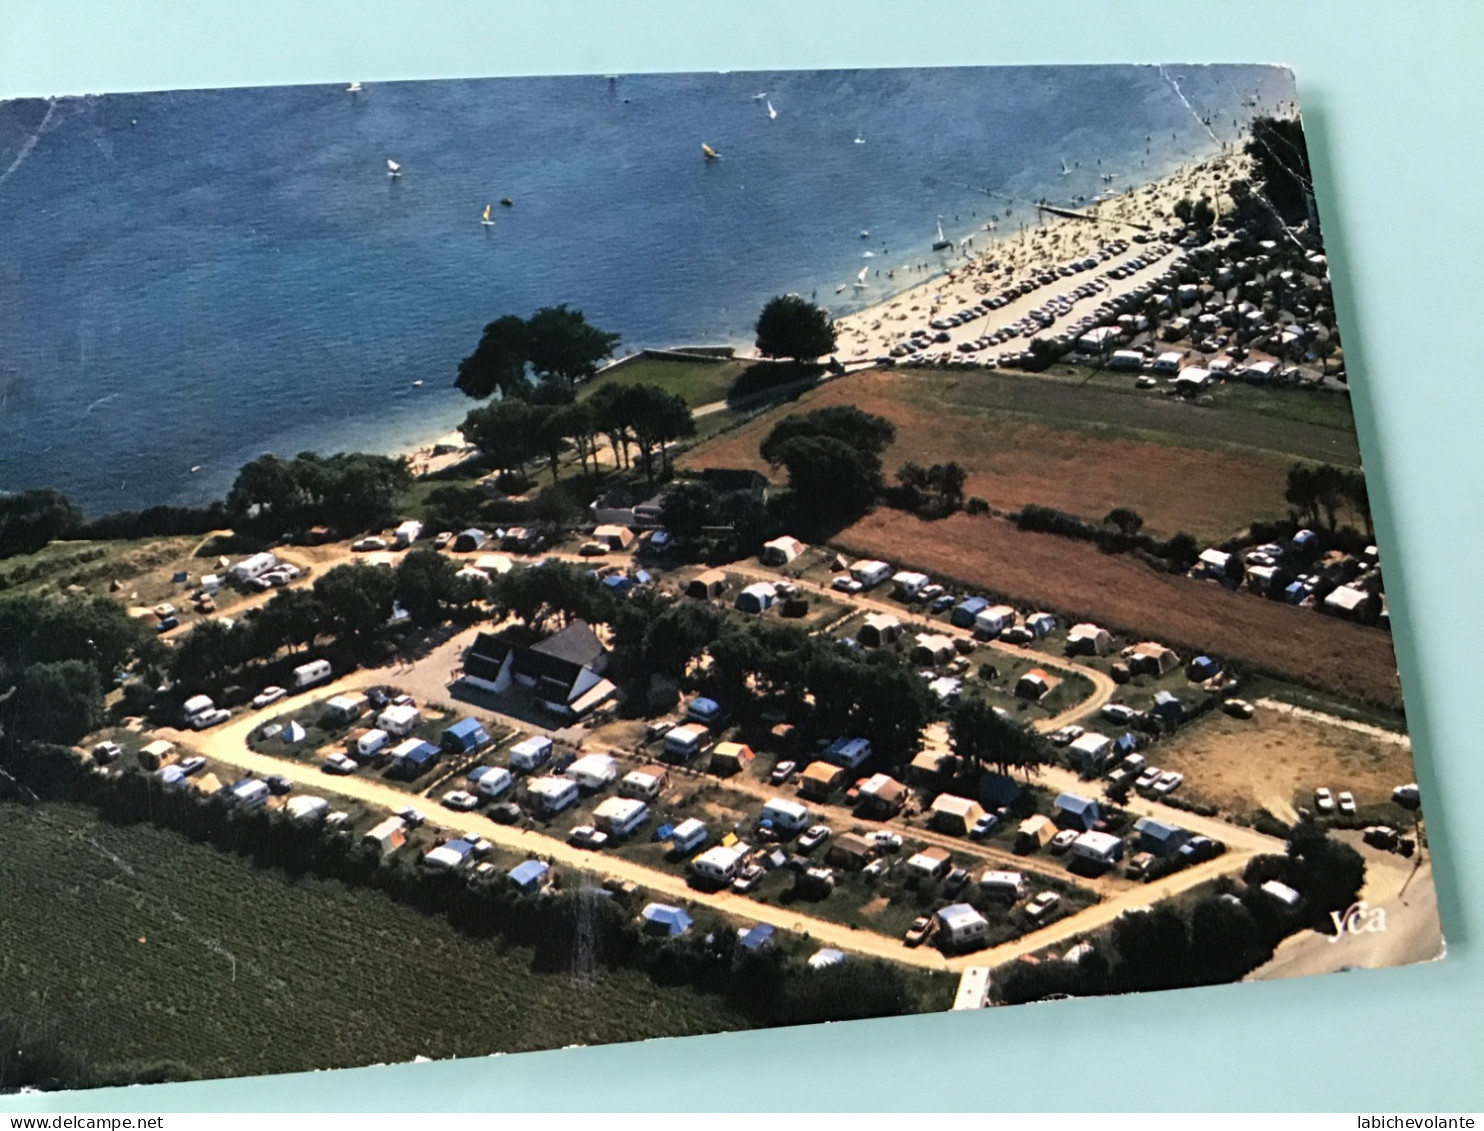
(506, 813)
(955, 881)
(943, 604)
(278, 784)
(1198, 849)
(167, 624)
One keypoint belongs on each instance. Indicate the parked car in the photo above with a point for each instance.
(505, 813)
(279, 785)
(1324, 800)
(943, 604)
(339, 764)
(267, 697)
(167, 624)
(1347, 802)
(813, 837)
(1063, 840)
(1147, 779)
(442, 539)
(1067, 735)
(922, 929)
(1168, 782)
(164, 609)
(1238, 708)
(1381, 836)
(877, 867)
(191, 765)
(748, 878)
(1141, 866)
(361, 545)
(1119, 713)
(460, 800)
(412, 816)
(885, 840)
(846, 585)
(1199, 849)
(983, 826)
(585, 836)
(783, 773)
(954, 882)
(1041, 906)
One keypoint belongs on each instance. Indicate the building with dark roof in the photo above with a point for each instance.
(564, 671)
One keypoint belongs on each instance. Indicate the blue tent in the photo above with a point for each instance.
(528, 876)
(419, 759)
(1168, 707)
(1203, 667)
(1296, 593)
(619, 582)
(963, 614)
(997, 789)
(1158, 837)
(703, 710)
(758, 937)
(1073, 811)
(465, 737)
(662, 919)
(1126, 744)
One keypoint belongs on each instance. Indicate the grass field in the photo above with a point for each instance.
(1119, 592)
(1083, 449)
(134, 945)
(698, 382)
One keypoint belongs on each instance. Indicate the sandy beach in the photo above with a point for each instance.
(998, 260)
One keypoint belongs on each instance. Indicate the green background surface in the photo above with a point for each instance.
(1391, 95)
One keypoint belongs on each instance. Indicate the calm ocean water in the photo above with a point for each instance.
(190, 279)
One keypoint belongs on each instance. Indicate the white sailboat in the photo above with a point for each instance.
(942, 243)
(353, 88)
(1065, 168)
(772, 113)
(860, 280)
(485, 220)
(392, 168)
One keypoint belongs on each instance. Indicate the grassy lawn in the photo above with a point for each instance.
(174, 951)
(697, 382)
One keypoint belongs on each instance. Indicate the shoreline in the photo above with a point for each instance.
(864, 335)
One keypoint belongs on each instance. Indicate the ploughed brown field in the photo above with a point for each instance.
(1026, 440)
(1124, 595)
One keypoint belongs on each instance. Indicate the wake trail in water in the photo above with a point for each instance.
(30, 143)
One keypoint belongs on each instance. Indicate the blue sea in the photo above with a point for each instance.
(190, 279)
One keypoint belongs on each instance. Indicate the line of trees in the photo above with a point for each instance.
(982, 736)
(347, 492)
(512, 433)
(1317, 492)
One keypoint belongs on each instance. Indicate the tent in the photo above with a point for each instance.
(293, 732)
(662, 919)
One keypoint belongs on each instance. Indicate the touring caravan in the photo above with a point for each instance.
(307, 675)
(530, 753)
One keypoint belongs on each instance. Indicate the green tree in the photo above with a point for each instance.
(611, 417)
(982, 737)
(791, 326)
(498, 363)
(1328, 873)
(506, 432)
(1281, 159)
(31, 519)
(426, 586)
(357, 600)
(560, 343)
(864, 431)
(293, 618)
(57, 702)
(828, 477)
(656, 419)
(1126, 520)
(349, 492)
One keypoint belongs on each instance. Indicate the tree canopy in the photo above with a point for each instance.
(791, 326)
(555, 344)
(346, 492)
(1282, 159)
(865, 431)
(981, 736)
(31, 519)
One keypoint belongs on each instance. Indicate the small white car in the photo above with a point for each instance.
(1168, 782)
(1041, 905)
(361, 545)
(1067, 735)
(1063, 841)
(460, 800)
(813, 837)
(1324, 800)
(585, 836)
(885, 840)
(339, 764)
(1347, 802)
(1147, 779)
(268, 696)
(1118, 713)
(846, 585)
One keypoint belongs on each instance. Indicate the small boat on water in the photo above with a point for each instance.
(485, 219)
(942, 243)
(709, 153)
(865, 233)
(860, 280)
(772, 113)
(859, 140)
(506, 201)
(392, 168)
(1065, 168)
(353, 88)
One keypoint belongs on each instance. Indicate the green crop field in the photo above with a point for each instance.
(133, 945)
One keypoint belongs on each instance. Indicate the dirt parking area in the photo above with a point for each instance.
(1263, 762)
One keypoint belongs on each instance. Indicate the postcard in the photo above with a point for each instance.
(506, 564)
